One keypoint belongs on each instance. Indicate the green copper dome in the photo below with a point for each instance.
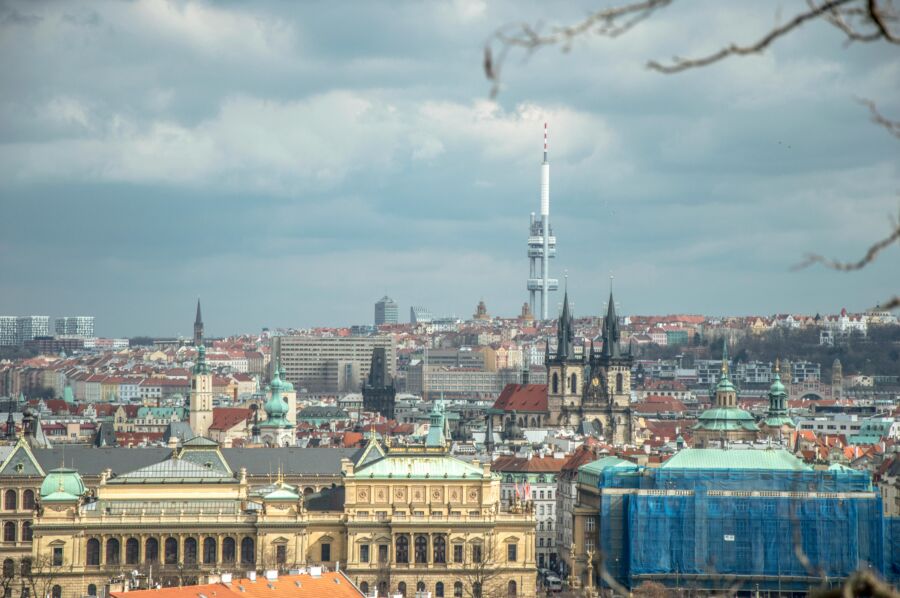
(286, 385)
(62, 485)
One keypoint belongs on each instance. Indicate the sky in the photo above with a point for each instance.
(290, 163)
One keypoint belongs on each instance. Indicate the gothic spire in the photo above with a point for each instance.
(565, 334)
(199, 318)
(611, 333)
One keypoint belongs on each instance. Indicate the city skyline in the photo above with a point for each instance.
(290, 177)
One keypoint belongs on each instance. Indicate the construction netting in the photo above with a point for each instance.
(892, 549)
(766, 527)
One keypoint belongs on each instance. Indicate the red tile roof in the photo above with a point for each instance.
(328, 585)
(510, 463)
(225, 418)
(528, 398)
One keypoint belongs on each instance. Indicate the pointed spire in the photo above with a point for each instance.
(611, 329)
(565, 341)
(724, 358)
(199, 318)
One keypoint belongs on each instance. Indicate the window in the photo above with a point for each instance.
(421, 546)
(190, 551)
(281, 554)
(476, 589)
(476, 553)
(151, 550)
(619, 383)
(10, 500)
(541, 543)
(28, 500)
(512, 551)
(171, 551)
(364, 587)
(27, 532)
(401, 588)
(363, 553)
(572, 383)
(440, 550)
(9, 568)
(555, 383)
(56, 592)
(228, 550)
(112, 551)
(248, 551)
(209, 551)
(457, 590)
(25, 568)
(132, 549)
(92, 590)
(457, 553)
(402, 549)
(9, 531)
(92, 555)
(439, 590)
(420, 587)
(382, 553)
(511, 590)
(325, 552)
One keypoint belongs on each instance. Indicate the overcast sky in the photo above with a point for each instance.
(290, 163)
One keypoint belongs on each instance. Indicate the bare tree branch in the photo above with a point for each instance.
(892, 126)
(869, 257)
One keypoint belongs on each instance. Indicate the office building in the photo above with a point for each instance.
(80, 326)
(8, 331)
(331, 364)
(386, 311)
(420, 315)
(29, 327)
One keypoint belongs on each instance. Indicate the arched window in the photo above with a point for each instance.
(132, 551)
(401, 588)
(27, 532)
(25, 567)
(439, 590)
(440, 549)
(112, 551)
(28, 500)
(457, 590)
(421, 549)
(248, 551)
(9, 568)
(92, 556)
(92, 590)
(382, 588)
(420, 586)
(228, 550)
(476, 589)
(56, 592)
(10, 500)
(619, 382)
(209, 551)
(171, 551)
(402, 549)
(511, 590)
(555, 383)
(9, 531)
(573, 380)
(151, 550)
(364, 587)
(190, 551)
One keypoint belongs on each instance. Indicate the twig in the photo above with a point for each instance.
(892, 126)
(870, 255)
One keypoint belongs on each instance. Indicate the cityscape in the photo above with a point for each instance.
(358, 375)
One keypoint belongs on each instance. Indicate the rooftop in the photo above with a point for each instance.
(715, 458)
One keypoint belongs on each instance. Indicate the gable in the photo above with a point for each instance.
(19, 462)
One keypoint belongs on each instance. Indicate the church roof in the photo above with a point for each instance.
(724, 419)
(526, 398)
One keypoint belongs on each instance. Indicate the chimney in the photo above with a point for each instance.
(226, 579)
(272, 575)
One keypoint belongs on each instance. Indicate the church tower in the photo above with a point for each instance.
(198, 327)
(837, 379)
(201, 395)
(777, 425)
(565, 371)
(607, 397)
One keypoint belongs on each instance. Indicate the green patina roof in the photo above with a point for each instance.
(776, 421)
(175, 471)
(712, 458)
(420, 466)
(725, 418)
(600, 465)
(62, 485)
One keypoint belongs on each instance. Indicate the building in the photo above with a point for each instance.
(565, 370)
(386, 311)
(79, 326)
(420, 315)
(277, 430)
(9, 335)
(29, 327)
(331, 364)
(777, 425)
(725, 422)
(748, 516)
(378, 392)
(534, 478)
(49, 345)
(200, 401)
(311, 583)
(402, 518)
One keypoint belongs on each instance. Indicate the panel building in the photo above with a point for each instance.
(29, 327)
(8, 331)
(386, 311)
(331, 364)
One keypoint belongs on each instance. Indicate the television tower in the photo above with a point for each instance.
(542, 244)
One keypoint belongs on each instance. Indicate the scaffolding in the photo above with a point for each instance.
(751, 528)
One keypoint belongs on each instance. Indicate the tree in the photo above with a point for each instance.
(481, 577)
(38, 574)
(858, 21)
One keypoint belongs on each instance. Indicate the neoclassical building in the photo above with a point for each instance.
(403, 518)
